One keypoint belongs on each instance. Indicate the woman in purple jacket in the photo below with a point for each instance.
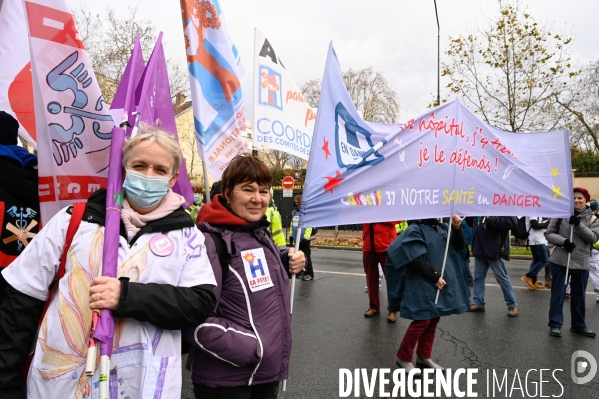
(242, 349)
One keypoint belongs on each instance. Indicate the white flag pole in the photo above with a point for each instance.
(569, 254)
(295, 224)
(444, 257)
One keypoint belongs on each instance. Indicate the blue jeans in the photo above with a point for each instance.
(466, 262)
(578, 287)
(539, 261)
(481, 267)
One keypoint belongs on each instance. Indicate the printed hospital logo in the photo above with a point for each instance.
(256, 269)
(270, 93)
(353, 143)
(20, 225)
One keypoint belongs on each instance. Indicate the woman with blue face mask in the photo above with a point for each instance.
(164, 284)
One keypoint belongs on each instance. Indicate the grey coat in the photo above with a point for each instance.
(585, 235)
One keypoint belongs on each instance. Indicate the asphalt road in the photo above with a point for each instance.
(331, 333)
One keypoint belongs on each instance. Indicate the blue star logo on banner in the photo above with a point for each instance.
(353, 143)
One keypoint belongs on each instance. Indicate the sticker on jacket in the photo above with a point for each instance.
(256, 269)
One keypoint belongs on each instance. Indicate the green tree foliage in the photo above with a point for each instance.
(584, 161)
(513, 71)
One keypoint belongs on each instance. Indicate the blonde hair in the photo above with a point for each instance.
(154, 134)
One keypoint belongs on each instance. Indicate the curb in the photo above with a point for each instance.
(339, 248)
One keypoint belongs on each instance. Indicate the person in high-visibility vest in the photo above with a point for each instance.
(194, 209)
(306, 236)
(401, 226)
(274, 218)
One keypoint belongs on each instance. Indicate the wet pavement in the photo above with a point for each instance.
(331, 333)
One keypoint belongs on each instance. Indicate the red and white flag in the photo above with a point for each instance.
(73, 124)
(16, 92)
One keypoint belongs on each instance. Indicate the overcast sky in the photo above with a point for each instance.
(397, 37)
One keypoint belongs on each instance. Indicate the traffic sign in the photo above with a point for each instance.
(288, 182)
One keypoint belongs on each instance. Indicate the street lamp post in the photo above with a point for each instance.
(438, 57)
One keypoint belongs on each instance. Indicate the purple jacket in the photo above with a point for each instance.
(247, 338)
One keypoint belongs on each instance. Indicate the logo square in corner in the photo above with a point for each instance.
(270, 91)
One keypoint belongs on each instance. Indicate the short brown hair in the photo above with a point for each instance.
(196, 186)
(245, 168)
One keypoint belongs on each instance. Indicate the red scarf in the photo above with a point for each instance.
(216, 213)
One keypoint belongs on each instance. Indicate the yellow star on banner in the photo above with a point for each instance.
(554, 172)
(556, 192)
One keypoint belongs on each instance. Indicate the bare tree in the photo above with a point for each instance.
(584, 109)
(109, 40)
(276, 159)
(512, 72)
(372, 95)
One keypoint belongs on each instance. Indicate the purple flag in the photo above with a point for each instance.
(443, 162)
(121, 108)
(153, 99)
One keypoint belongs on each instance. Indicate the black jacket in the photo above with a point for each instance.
(491, 238)
(19, 313)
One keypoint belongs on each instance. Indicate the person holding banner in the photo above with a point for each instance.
(243, 348)
(490, 246)
(376, 238)
(415, 260)
(165, 284)
(572, 239)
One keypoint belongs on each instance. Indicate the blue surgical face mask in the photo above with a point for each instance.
(145, 191)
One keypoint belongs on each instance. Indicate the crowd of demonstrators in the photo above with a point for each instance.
(490, 247)
(160, 289)
(376, 238)
(306, 234)
(415, 261)
(537, 242)
(594, 261)
(225, 282)
(573, 239)
(243, 348)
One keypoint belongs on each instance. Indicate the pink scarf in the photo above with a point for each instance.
(134, 221)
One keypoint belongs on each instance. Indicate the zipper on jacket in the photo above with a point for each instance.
(251, 317)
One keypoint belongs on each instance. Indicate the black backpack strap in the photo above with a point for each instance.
(224, 257)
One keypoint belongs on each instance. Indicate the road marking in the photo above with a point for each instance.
(347, 274)
(486, 285)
